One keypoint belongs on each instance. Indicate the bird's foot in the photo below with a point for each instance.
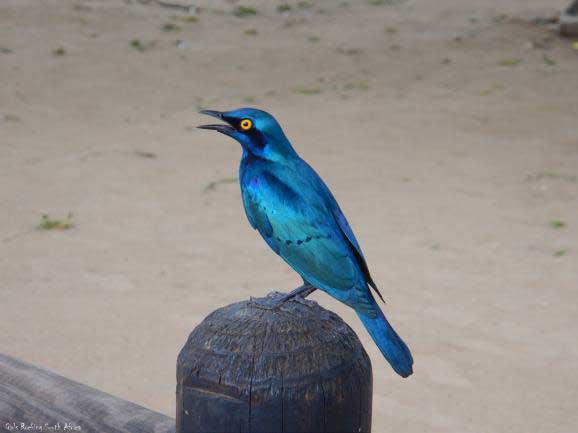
(301, 291)
(263, 303)
(270, 303)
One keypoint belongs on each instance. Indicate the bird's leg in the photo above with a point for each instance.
(301, 291)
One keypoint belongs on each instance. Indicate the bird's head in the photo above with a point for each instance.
(256, 130)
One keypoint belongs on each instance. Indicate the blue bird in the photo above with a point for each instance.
(296, 214)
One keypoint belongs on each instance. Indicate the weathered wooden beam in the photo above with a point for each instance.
(33, 399)
(252, 368)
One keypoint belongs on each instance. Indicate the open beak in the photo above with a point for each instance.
(222, 128)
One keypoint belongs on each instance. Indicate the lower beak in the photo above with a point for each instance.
(222, 128)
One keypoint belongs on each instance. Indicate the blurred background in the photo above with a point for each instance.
(448, 131)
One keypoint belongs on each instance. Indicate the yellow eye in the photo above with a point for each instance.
(246, 124)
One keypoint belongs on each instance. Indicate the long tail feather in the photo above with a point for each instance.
(390, 344)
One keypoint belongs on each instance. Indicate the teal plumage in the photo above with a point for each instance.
(296, 214)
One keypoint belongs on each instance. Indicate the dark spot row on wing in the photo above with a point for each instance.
(302, 241)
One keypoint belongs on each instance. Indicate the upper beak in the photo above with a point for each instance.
(224, 129)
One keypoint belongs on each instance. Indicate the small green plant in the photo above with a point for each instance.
(514, 61)
(313, 39)
(557, 224)
(59, 52)
(251, 32)
(47, 223)
(11, 117)
(189, 19)
(141, 46)
(385, 2)
(245, 11)
(363, 86)
(170, 27)
(137, 45)
(308, 90)
(304, 4)
(549, 61)
(553, 176)
(283, 7)
(349, 51)
(561, 252)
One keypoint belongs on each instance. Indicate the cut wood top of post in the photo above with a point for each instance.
(254, 343)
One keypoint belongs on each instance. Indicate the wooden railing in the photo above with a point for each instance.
(247, 367)
(33, 400)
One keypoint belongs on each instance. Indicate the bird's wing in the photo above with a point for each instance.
(343, 226)
(348, 233)
(298, 226)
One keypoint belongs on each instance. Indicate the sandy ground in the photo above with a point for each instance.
(448, 131)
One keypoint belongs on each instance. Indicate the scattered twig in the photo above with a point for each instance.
(211, 186)
(191, 9)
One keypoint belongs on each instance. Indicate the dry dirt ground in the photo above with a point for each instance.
(448, 131)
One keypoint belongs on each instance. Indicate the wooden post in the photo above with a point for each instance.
(33, 399)
(248, 368)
